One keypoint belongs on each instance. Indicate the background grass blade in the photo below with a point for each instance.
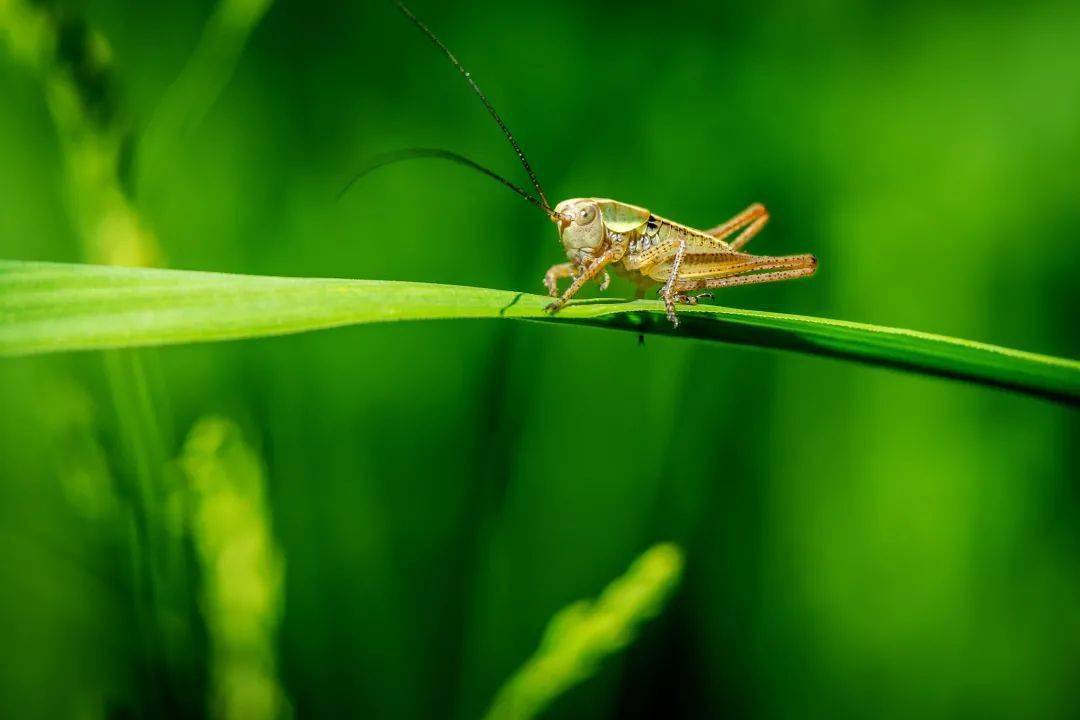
(47, 307)
(583, 634)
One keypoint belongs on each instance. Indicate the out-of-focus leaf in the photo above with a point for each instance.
(581, 635)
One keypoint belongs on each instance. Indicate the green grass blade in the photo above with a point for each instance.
(47, 307)
(581, 635)
(200, 84)
(242, 574)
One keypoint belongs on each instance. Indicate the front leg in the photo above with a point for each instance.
(556, 273)
(588, 273)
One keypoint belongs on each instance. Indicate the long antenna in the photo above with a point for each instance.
(483, 98)
(413, 153)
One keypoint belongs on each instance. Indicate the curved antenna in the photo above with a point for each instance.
(483, 98)
(414, 153)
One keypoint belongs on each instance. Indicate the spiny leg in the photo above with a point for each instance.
(563, 270)
(667, 262)
(587, 274)
(745, 236)
(667, 291)
(556, 273)
(721, 265)
(752, 219)
(791, 267)
(753, 279)
(743, 219)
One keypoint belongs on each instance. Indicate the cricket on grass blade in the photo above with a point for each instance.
(598, 233)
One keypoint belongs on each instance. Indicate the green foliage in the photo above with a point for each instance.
(242, 569)
(49, 308)
(207, 72)
(580, 636)
(865, 543)
(74, 64)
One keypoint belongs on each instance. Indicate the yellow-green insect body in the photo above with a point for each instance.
(598, 232)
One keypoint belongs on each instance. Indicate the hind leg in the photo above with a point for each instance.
(750, 221)
(785, 268)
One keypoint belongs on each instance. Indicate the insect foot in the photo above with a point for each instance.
(691, 299)
(554, 307)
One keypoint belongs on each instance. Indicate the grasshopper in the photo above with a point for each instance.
(597, 233)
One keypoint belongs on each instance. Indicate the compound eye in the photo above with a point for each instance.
(585, 215)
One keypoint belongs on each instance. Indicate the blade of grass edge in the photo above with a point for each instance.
(50, 307)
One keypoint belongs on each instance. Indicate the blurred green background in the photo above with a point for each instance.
(381, 520)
